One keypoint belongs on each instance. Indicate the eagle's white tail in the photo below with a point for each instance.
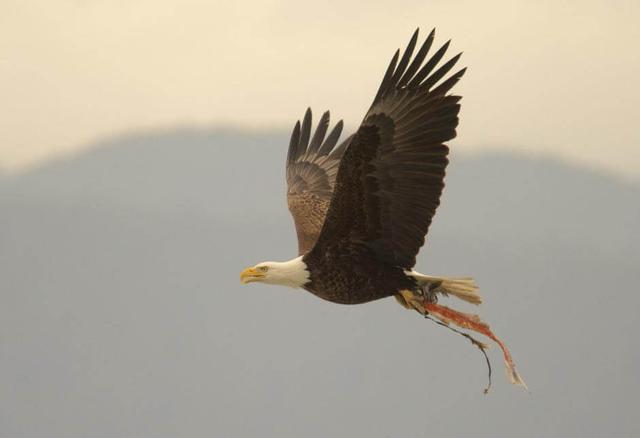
(464, 288)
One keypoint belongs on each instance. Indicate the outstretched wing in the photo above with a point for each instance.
(312, 165)
(390, 179)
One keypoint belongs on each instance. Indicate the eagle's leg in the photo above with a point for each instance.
(411, 300)
(400, 299)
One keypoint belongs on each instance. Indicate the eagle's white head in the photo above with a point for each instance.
(293, 273)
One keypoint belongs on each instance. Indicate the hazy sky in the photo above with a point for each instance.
(546, 77)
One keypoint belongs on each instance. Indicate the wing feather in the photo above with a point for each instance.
(391, 176)
(311, 172)
(318, 136)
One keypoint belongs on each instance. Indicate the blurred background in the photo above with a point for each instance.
(142, 149)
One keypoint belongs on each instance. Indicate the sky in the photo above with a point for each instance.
(545, 78)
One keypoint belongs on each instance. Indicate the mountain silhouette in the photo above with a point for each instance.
(121, 312)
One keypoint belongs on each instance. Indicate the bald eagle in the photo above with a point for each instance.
(362, 208)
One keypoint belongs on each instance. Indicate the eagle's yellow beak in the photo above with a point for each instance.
(250, 274)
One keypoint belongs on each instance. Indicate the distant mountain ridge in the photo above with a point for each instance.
(196, 166)
(121, 313)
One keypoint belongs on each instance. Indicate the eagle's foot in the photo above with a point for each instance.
(411, 300)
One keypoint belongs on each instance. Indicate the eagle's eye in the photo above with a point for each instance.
(264, 268)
